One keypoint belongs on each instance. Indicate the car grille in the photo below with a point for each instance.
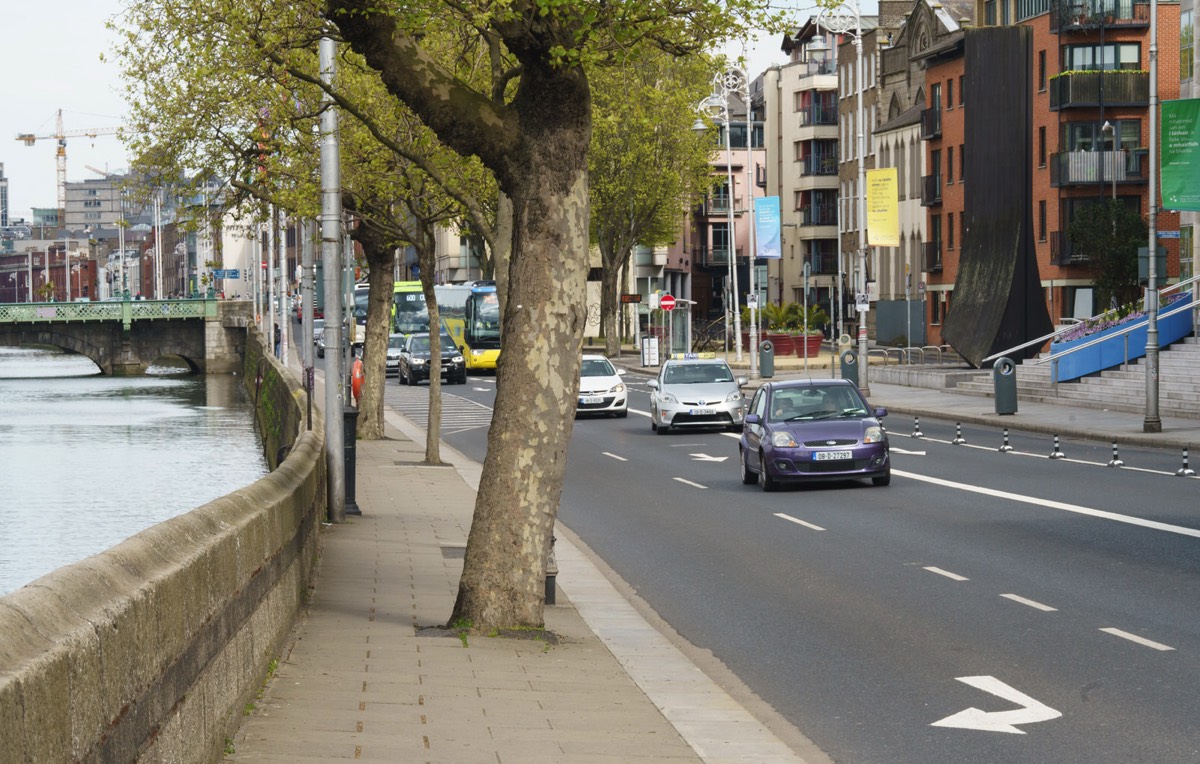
(845, 465)
(721, 417)
(828, 442)
(602, 405)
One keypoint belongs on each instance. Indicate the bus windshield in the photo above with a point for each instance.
(409, 313)
(483, 320)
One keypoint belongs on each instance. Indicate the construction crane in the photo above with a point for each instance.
(61, 136)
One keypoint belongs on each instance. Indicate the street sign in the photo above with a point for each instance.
(666, 302)
(631, 298)
(1167, 234)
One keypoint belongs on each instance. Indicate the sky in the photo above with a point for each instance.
(51, 60)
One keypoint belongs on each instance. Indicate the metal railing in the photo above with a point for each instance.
(931, 190)
(931, 124)
(1132, 325)
(1112, 87)
(114, 310)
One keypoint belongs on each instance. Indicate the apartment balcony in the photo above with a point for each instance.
(1062, 251)
(931, 190)
(1089, 168)
(816, 164)
(1113, 87)
(713, 257)
(1067, 16)
(931, 124)
(820, 214)
(716, 204)
(819, 114)
(933, 256)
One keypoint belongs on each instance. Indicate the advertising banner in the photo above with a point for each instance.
(1179, 161)
(766, 228)
(883, 208)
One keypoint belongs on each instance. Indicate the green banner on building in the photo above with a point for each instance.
(1180, 161)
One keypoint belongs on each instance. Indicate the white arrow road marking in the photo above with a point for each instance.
(707, 458)
(910, 453)
(1031, 711)
(614, 456)
(688, 482)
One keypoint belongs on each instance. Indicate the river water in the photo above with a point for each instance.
(86, 461)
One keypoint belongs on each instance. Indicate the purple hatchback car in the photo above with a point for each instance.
(812, 429)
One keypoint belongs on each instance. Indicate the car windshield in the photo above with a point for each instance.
(811, 403)
(396, 342)
(596, 367)
(697, 374)
(421, 344)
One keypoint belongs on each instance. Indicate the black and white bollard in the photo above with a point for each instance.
(1116, 460)
(917, 428)
(958, 438)
(1057, 454)
(1005, 448)
(1185, 471)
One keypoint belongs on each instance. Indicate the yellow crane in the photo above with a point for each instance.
(61, 136)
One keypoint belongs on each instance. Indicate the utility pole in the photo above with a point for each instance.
(331, 253)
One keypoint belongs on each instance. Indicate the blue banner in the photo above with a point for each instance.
(766, 228)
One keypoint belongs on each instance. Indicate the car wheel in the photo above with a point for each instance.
(882, 480)
(622, 413)
(748, 475)
(765, 481)
(663, 429)
(461, 379)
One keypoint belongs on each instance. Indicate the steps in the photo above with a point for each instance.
(1121, 388)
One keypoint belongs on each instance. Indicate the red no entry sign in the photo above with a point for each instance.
(666, 302)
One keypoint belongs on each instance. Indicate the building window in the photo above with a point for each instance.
(797, 151)
(1041, 71)
(1187, 243)
(949, 230)
(949, 94)
(962, 162)
(1042, 220)
(1042, 146)
(1090, 136)
(935, 96)
(949, 165)
(1112, 55)
(935, 309)
(962, 90)
(1187, 45)
(989, 13)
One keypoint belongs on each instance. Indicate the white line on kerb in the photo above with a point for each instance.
(688, 482)
(947, 574)
(797, 521)
(1152, 524)
(1030, 603)
(1136, 638)
(614, 456)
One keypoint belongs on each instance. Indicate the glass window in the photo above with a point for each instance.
(1042, 220)
(1042, 146)
(962, 162)
(949, 165)
(1041, 70)
(949, 230)
(949, 94)
(1187, 45)
(935, 96)
(1109, 56)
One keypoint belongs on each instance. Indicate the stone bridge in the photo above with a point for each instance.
(124, 337)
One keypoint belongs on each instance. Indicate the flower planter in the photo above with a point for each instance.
(1117, 349)
(809, 345)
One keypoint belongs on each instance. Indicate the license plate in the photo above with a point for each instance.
(832, 456)
(591, 399)
(702, 412)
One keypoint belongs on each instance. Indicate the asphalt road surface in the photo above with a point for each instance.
(989, 605)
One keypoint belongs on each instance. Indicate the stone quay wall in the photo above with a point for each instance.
(151, 650)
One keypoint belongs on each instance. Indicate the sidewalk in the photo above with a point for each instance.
(371, 676)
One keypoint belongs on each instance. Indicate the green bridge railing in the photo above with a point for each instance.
(125, 311)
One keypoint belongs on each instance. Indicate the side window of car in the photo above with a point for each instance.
(757, 406)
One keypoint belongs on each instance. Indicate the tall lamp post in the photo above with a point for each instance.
(846, 19)
(725, 84)
(1152, 421)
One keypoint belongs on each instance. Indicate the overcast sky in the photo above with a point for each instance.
(51, 60)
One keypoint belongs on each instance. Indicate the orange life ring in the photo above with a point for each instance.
(356, 378)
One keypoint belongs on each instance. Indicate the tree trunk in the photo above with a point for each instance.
(426, 256)
(502, 254)
(610, 282)
(380, 256)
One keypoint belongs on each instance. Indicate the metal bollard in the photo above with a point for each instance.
(349, 453)
(1185, 471)
(1004, 449)
(958, 438)
(917, 428)
(1116, 460)
(1056, 454)
(551, 574)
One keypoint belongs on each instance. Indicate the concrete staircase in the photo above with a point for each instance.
(1122, 388)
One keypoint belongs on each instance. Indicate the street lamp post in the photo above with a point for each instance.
(847, 19)
(1152, 421)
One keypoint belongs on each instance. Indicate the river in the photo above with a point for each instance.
(87, 461)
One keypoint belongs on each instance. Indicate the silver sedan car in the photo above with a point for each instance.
(696, 393)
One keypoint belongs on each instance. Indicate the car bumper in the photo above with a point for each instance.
(796, 465)
(721, 415)
(602, 403)
(419, 373)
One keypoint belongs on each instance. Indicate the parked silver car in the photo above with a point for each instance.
(692, 393)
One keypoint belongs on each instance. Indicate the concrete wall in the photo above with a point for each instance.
(151, 650)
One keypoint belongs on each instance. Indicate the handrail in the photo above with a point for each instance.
(1132, 325)
(1052, 335)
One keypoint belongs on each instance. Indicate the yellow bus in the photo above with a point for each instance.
(469, 313)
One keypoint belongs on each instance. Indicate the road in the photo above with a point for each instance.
(988, 605)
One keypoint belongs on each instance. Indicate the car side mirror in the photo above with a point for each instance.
(880, 412)
(652, 384)
(742, 381)
(620, 372)
(753, 419)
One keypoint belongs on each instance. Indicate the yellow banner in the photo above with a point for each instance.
(883, 208)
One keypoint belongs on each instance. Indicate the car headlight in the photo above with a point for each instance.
(668, 398)
(783, 440)
(617, 388)
(418, 361)
(735, 396)
(874, 434)
(456, 359)
(477, 352)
